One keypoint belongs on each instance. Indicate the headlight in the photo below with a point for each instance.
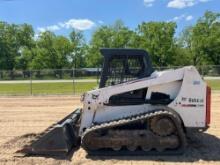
(82, 97)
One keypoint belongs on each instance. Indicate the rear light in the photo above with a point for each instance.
(208, 105)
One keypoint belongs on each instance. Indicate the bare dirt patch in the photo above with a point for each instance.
(21, 118)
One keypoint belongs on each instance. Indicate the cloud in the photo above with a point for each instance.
(79, 24)
(49, 28)
(36, 36)
(177, 18)
(41, 29)
(189, 18)
(180, 4)
(181, 17)
(149, 3)
(53, 28)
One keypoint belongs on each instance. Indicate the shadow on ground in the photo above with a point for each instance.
(67, 157)
(201, 146)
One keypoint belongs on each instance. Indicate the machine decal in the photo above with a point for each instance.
(195, 100)
(191, 102)
(192, 105)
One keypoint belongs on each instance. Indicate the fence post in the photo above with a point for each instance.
(97, 75)
(74, 90)
(201, 67)
(31, 82)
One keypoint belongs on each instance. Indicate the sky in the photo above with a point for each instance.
(61, 16)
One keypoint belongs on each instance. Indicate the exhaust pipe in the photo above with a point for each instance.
(58, 140)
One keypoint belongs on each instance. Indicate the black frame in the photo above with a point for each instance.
(110, 54)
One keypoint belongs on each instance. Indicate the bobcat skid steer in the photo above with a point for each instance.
(136, 110)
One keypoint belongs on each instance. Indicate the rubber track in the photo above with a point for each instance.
(123, 121)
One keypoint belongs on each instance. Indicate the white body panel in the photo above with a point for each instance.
(184, 86)
(190, 103)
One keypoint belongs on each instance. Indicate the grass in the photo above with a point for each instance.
(214, 84)
(46, 88)
(63, 88)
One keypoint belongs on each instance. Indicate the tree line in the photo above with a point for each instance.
(196, 45)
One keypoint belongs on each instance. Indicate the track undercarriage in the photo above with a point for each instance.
(156, 132)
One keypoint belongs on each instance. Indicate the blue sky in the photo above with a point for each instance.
(61, 16)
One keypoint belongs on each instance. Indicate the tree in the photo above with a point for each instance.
(201, 42)
(79, 48)
(44, 56)
(184, 49)
(196, 45)
(13, 39)
(158, 39)
(25, 37)
(113, 36)
(51, 52)
(206, 37)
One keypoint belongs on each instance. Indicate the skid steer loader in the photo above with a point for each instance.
(135, 110)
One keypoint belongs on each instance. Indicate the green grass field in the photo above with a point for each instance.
(46, 88)
(62, 88)
(214, 84)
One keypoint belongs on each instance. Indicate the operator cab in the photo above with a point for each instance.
(122, 65)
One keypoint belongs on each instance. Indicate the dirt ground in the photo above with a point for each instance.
(23, 117)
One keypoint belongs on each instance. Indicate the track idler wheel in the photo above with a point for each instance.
(131, 147)
(146, 148)
(160, 149)
(117, 148)
(162, 125)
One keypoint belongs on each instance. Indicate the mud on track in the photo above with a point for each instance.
(21, 118)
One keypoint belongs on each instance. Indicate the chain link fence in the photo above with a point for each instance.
(67, 81)
(205, 70)
(48, 82)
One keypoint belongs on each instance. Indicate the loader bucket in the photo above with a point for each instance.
(59, 139)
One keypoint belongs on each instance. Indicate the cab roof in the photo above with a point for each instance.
(123, 51)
